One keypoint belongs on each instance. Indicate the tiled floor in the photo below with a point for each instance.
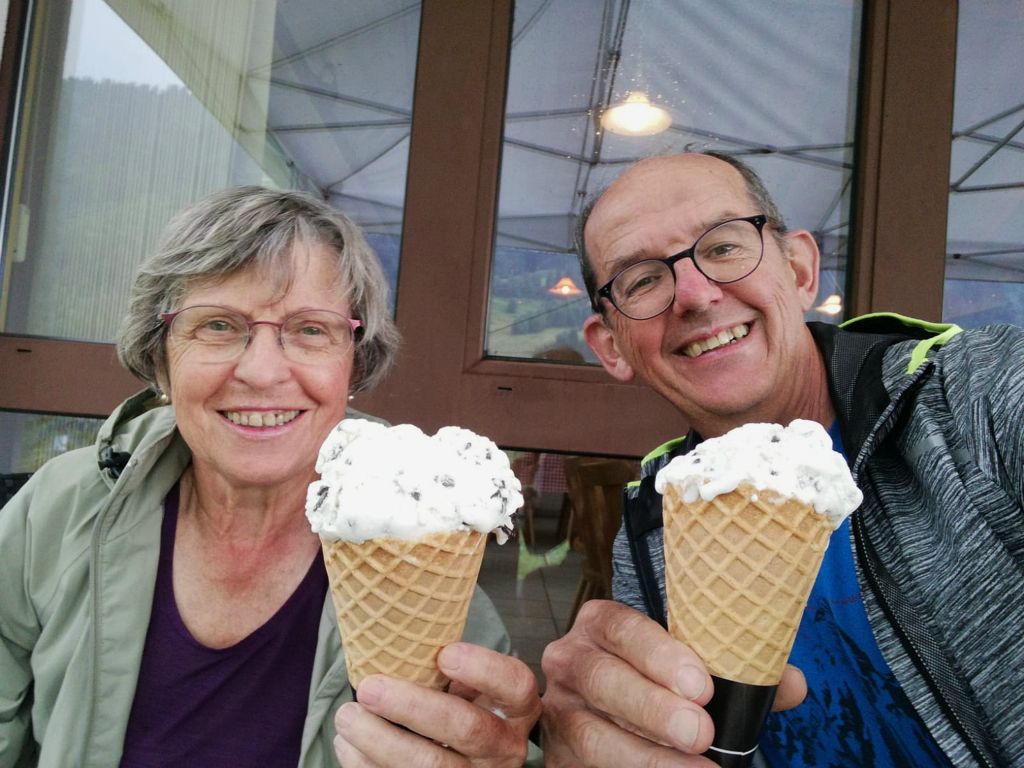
(536, 607)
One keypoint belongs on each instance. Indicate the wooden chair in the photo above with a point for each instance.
(595, 489)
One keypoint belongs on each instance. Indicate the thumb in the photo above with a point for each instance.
(792, 689)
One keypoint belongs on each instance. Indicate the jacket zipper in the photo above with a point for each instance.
(869, 558)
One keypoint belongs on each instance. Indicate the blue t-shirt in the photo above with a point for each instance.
(856, 713)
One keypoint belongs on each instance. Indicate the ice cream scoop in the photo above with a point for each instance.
(795, 461)
(397, 482)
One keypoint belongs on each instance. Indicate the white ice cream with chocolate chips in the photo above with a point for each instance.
(378, 481)
(795, 461)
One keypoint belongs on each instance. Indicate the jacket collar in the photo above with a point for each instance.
(133, 426)
(867, 392)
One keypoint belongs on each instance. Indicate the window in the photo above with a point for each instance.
(132, 110)
(774, 84)
(985, 237)
(129, 110)
(801, 76)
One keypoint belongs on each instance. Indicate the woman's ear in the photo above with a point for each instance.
(601, 339)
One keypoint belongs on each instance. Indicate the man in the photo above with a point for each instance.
(913, 640)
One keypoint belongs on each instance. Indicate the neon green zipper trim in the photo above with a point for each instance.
(943, 333)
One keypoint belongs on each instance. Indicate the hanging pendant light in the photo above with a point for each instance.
(565, 287)
(636, 116)
(832, 305)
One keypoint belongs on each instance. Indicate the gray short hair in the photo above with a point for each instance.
(759, 197)
(249, 227)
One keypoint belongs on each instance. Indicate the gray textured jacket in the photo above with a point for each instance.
(932, 420)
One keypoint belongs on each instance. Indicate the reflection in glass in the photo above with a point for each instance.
(27, 440)
(130, 110)
(985, 234)
(772, 82)
(532, 578)
(528, 313)
(539, 577)
(974, 303)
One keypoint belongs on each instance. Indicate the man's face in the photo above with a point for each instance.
(722, 354)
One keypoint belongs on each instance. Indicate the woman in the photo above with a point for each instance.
(162, 598)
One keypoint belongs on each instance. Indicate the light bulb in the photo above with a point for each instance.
(636, 116)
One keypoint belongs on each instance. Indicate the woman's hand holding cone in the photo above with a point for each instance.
(484, 721)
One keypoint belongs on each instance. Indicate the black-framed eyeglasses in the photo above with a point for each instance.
(724, 254)
(218, 335)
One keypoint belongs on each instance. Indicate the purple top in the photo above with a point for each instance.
(238, 706)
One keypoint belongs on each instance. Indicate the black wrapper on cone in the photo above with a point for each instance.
(738, 711)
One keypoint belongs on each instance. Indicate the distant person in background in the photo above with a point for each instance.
(163, 601)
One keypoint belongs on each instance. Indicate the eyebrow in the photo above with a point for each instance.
(629, 259)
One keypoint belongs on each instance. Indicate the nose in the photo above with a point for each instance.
(693, 291)
(263, 362)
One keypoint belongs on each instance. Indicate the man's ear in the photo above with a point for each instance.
(601, 339)
(804, 260)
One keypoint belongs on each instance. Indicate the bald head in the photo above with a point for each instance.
(632, 184)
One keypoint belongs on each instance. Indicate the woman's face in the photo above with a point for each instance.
(217, 404)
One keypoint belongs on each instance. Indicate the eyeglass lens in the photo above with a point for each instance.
(218, 334)
(726, 253)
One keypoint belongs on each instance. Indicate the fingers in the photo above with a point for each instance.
(792, 689)
(646, 646)
(501, 685)
(615, 690)
(366, 740)
(489, 726)
(621, 691)
(433, 716)
(506, 683)
(577, 736)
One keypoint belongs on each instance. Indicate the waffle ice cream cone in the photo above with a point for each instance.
(738, 570)
(747, 519)
(400, 602)
(403, 519)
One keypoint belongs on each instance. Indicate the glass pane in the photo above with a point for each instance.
(28, 440)
(985, 236)
(536, 579)
(130, 110)
(570, 61)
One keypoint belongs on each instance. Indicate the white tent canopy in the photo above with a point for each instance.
(773, 81)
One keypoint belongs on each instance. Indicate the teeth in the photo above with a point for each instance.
(260, 418)
(697, 348)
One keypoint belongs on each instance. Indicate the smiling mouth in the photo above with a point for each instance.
(260, 418)
(728, 336)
